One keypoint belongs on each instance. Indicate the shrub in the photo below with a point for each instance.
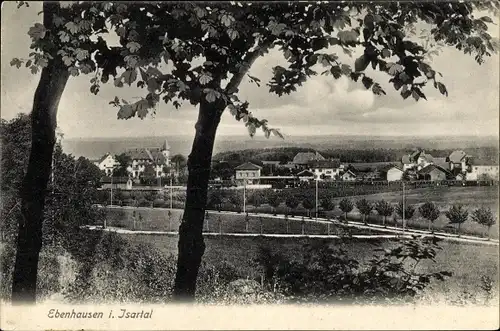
(115, 271)
(346, 206)
(158, 203)
(327, 273)
(365, 208)
(144, 203)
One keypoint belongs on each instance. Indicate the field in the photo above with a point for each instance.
(467, 262)
(159, 220)
(443, 196)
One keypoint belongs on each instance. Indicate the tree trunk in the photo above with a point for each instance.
(191, 245)
(50, 88)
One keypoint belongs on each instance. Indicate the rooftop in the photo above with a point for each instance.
(248, 166)
(306, 157)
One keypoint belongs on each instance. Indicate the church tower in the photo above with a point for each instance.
(165, 150)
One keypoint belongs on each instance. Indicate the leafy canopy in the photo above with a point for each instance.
(484, 216)
(200, 52)
(457, 214)
(429, 211)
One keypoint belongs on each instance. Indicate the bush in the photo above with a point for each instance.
(119, 272)
(327, 273)
(144, 203)
(129, 202)
(159, 203)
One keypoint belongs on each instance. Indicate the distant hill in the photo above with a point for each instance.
(96, 147)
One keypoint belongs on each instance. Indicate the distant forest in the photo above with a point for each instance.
(285, 154)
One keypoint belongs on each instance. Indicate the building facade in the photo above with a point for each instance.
(248, 173)
(481, 170)
(326, 169)
(106, 164)
(156, 159)
(432, 173)
(394, 174)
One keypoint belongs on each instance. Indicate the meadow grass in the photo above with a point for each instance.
(467, 262)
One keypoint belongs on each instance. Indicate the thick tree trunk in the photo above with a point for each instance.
(191, 245)
(43, 121)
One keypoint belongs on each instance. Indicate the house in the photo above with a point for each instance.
(417, 159)
(482, 170)
(349, 176)
(107, 163)
(442, 162)
(302, 160)
(458, 161)
(305, 176)
(394, 174)
(433, 173)
(325, 169)
(248, 173)
(158, 158)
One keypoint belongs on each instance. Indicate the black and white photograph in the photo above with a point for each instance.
(249, 165)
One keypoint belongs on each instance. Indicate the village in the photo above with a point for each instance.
(156, 167)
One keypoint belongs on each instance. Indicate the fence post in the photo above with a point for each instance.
(220, 226)
(328, 228)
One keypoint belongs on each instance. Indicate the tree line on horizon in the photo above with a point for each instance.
(347, 155)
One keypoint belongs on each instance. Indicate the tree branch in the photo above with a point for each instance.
(249, 60)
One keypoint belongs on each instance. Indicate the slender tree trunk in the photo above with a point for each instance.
(191, 245)
(33, 191)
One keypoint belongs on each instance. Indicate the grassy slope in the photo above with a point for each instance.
(467, 262)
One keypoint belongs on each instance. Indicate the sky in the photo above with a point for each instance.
(322, 106)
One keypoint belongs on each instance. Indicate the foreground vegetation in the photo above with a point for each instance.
(266, 270)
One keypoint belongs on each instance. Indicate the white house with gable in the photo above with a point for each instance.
(107, 163)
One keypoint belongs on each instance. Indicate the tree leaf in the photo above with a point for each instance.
(386, 53)
(125, 112)
(210, 95)
(16, 62)
(233, 34)
(63, 36)
(129, 76)
(118, 82)
(133, 46)
(394, 68)
(346, 69)
(141, 107)
(81, 54)
(442, 89)
(68, 60)
(205, 78)
(37, 32)
(73, 71)
(361, 63)
(72, 27)
(153, 84)
(227, 19)
(406, 94)
(367, 82)
(415, 95)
